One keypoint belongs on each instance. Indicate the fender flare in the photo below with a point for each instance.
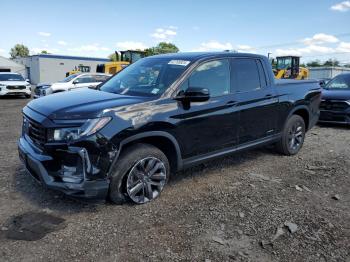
(145, 135)
(304, 107)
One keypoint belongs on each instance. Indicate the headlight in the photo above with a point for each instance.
(73, 133)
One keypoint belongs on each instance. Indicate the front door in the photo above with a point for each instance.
(212, 125)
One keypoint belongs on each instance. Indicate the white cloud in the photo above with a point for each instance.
(344, 47)
(63, 43)
(320, 39)
(342, 6)
(245, 48)
(89, 48)
(130, 45)
(311, 49)
(2, 50)
(46, 34)
(214, 46)
(164, 34)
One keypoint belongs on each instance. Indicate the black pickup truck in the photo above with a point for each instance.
(160, 115)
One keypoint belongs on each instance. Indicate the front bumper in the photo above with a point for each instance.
(4, 91)
(34, 163)
(337, 117)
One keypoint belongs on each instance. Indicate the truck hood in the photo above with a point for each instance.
(80, 104)
(14, 83)
(336, 94)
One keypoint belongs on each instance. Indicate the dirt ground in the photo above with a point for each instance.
(254, 206)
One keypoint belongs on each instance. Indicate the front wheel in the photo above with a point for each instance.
(140, 175)
(293, 136)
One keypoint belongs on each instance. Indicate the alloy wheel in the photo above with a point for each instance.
(146, 180)
(295, 136)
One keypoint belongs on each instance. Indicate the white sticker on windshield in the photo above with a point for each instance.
(179, 62)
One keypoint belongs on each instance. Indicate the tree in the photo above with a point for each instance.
(315, 63)
(331, 62)
(162, 48)
(19, 50)
(44, 52)
(113, 57)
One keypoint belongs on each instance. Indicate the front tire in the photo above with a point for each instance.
(293, 136)
(139, 175)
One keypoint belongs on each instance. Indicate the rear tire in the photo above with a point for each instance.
(28, 96)
(293, 136)
(131, 177)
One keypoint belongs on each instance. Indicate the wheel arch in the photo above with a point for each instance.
(164, 141)
(302, 111)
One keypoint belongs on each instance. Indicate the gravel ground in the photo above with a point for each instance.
(255, 206)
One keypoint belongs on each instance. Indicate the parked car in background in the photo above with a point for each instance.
(335, 104)
(14, 84)
(71, 82)
(160, 115)
(323, 81)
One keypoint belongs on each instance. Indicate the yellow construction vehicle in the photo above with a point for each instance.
(79, 69)
(123, 60)
(287, 67)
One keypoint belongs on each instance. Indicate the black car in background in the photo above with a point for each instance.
(335, 104)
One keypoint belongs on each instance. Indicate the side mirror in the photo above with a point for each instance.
(194, 94)
(76, 81)
(27, 80)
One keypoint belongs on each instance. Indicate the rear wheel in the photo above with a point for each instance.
(293, 136)
(140, 175)
(28, 96)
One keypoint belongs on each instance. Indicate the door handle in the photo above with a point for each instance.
(268, 95)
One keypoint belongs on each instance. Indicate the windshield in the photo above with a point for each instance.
(284, 62)
(146, 77)
(11, 77)
(68, 78)
(340, 82)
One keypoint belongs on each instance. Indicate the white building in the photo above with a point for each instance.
(7, 65)
(52, 68)
(326, 72)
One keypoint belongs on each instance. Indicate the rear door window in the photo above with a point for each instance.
(262, 74)
(100, 78)
(86, 79)
(245, 75)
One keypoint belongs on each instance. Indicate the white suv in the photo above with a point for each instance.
(90, 80)
(14, 84)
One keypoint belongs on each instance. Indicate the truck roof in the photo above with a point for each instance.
(192, 56)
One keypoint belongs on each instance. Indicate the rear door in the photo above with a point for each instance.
(257, 100)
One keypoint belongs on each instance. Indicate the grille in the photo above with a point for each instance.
(36, 132)
(16, 87)
(334, 105)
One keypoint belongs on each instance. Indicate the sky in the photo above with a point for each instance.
(313, 29)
